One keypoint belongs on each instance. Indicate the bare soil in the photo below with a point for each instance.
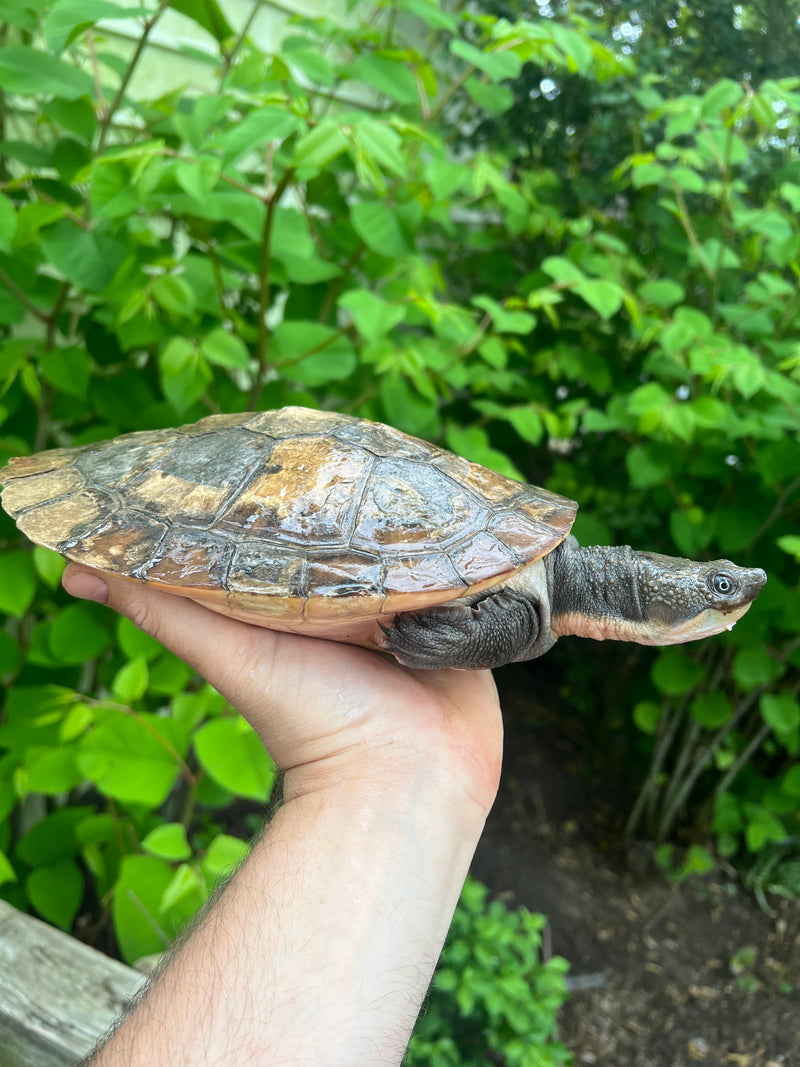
(656, 957)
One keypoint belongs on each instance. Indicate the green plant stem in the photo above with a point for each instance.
(726, 781)
(450, 92)
(23, 297)
(240, 39)
(265, 266)
(648, 791)
(683, 792)
(147, 29)
(674, 788)
(689, 230)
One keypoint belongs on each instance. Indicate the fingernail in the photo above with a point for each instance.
(86, 587)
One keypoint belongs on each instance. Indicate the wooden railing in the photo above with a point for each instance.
(57, 995)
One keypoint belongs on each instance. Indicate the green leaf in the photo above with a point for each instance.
(130, 681)
(644, 469)
(17, 583)
(169, 675)
(87, 258)
(232, 753)
(722, 95)
(688, 180)
(305, 55)
(646, 715)
(53, 838)
(791, 781)
(711, 710)
(495, 65)
(76, 636)
(761, 828)
(56, 892)
(320, 145)
(727, 814)
(185, 893)
(10, 654)
(128, 759)
(224, 854)
(68, 369)
(30, 72)
(431, 14)
(789, 543)
(135, 908)
(8, 223)
(675, 673)
(185, 375)
(74, 116)
(207, 14)
(225, 349)
(268, 123)
(7, 872)
(644, 174)
(604, 296)
(134, 642)
(168, 842)
(387, 76)
(199, 179)
(473, 443)
(662, 293)
(527, 421)
(496, 99)
(377, 226)
(312, 354)
(753, 666)
(69, 18)
(51, 770)
(174, 294)
(781, 711)
(562, 270)
(373, 316)
(790, 192)
(505, 321)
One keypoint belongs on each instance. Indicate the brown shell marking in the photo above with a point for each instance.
(296, 519)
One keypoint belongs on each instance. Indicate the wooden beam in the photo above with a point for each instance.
(57, 995)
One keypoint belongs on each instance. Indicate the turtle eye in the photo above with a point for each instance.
(723, 584)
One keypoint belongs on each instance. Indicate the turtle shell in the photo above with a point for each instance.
(294, 519)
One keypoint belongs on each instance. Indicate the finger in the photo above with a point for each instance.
(243, 662)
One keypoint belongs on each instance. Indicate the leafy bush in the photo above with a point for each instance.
(492, 998)
(297, 227)
(244, 245)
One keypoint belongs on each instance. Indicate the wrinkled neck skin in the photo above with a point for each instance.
(623, 595)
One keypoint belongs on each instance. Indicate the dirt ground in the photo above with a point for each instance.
(656, 957)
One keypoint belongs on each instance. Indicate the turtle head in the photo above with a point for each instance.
(619, 594)
(683, 601)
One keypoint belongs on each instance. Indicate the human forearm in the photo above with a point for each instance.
(322, 946)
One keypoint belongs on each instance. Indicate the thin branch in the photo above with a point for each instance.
(23, 297)
(743, 758)
(147, 28)
(265, 267)
(98, 83)
(237, 44)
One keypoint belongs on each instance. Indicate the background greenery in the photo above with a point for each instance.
(567, 247)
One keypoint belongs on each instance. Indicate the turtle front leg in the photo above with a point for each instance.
(496, 630)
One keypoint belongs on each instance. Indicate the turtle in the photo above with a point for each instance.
(338, 527)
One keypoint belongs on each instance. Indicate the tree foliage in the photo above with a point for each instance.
(618, 320)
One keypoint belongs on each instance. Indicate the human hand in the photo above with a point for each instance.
(322, 946)
(323, 708)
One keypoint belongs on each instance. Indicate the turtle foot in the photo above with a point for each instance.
(496, 630)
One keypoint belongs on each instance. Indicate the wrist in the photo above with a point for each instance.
(386, 773)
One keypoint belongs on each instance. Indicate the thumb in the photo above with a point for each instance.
(243, 662)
